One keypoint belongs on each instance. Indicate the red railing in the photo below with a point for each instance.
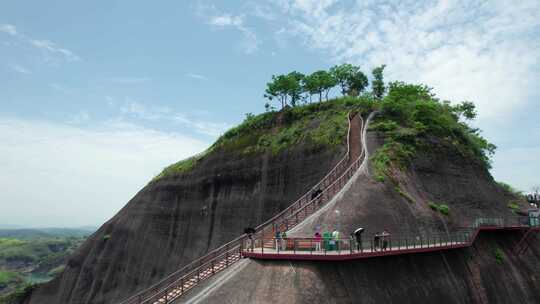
(329, 248)
(177, 283)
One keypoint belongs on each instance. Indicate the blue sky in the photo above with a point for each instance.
(97, 97)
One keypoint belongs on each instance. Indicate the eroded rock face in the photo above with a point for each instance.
(441, 176)
(177, 219)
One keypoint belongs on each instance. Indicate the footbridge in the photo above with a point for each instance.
(342, 249)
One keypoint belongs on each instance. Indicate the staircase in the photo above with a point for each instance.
(178, 283)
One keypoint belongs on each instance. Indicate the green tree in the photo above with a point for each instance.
(343, 75)
(294, 86)
(466, 109)
(319, 82)
(357, 83)
(378, 82)
(277, 89)
(285, 88)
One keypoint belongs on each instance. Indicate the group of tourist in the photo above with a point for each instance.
(331, 240)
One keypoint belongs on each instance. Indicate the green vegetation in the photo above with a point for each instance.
(7, 277)
(378, 82)
(405, 194)
(291, 88)
(314, 125)
(38, 257)
(18, 295)
(514, 206)
(56, 271)
(412, 119)
(106, 237)
(499, 255)
(442, 208)
(509, 189)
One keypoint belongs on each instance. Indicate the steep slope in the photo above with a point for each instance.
(181, 215)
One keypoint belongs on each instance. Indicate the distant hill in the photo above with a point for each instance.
(30, 233)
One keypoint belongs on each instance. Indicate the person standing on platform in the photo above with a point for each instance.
(283, 240)
(278, 239)
(335, 238)
(326, 239)
(317, 239)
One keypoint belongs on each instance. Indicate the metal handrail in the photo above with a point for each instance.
(394, 242)
(178, 276)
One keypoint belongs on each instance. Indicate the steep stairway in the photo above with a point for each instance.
(178, 283)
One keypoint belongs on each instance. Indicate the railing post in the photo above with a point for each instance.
(182, 285)
(227, 256)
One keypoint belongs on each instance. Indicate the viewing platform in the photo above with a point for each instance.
(393, 244)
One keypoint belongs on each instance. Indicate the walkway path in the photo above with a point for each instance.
(348, 249)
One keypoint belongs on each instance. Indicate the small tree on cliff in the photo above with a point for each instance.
(285, 87)
(378, 82)
(343, 74)
(357, 83)
(294, 86)
(276, 89)
(350, 78)
(318, 83)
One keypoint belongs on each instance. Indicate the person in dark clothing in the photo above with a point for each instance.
(315, 194)
(357, 235)
(376, 240)
(385, 239)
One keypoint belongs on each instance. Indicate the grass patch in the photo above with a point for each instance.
(514, 206)
(322, 124)
(509, 189)
(499, 256)
(442, 208)
(7, 277)
(106, 237)
(405, 194)
(56, 271)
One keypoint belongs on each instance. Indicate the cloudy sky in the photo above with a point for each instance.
(97, 97)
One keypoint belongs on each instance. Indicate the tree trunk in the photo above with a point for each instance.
(320, 96)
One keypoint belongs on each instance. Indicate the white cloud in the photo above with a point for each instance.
(139, 110)
(8, 29)
(219, 20)
(518, 167)
(465, 50)
(79, 176)
(20, 69)
(227, 20)
(48, 47)
(52, 48)
(196, 76)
